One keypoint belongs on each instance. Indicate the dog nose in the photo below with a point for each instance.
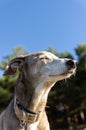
(71, 63)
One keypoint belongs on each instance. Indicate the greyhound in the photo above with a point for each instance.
(38, 72)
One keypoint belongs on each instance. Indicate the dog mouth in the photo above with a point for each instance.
(71, 71)
(66, 73)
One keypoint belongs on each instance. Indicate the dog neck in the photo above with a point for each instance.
(31, 95)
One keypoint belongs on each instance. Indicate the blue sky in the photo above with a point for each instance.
(39, 24)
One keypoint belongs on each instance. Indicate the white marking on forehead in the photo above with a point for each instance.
(48, 54)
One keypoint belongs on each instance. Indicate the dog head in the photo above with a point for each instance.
(42, 65)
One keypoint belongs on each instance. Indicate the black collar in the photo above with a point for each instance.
(22, 108)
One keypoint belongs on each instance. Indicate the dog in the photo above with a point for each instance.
(38, 72)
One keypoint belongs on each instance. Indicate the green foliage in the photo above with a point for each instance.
(4, 95)
(81, 50)
(81, 53)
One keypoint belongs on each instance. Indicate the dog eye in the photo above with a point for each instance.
(44, 58)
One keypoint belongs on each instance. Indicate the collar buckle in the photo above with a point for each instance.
(32, 118)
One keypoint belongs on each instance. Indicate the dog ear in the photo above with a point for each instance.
(14, 64)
